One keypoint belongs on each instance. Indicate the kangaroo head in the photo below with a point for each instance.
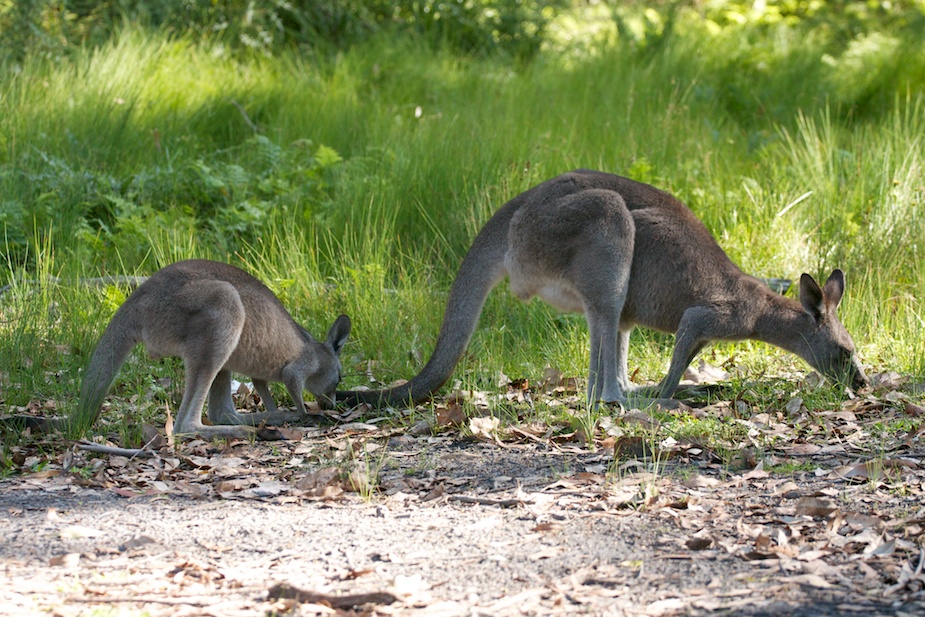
(324, 375)
(830, 348)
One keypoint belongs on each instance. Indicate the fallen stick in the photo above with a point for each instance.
(197, 601)
(485, 501)
(282, 591)
(89, 446)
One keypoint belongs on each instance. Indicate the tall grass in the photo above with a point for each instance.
(356, 184)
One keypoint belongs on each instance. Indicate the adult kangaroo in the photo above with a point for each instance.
(625, 253)
(220, 320)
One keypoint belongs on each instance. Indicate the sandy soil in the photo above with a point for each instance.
(455, 527)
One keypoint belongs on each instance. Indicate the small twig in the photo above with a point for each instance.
(283, 591)
(485, 501)
(192, 601)
(89, 446)
(528, 435)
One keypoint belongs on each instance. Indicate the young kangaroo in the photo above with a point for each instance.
(220, 320)
(625, 254)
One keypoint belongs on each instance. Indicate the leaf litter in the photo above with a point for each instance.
(791, 509)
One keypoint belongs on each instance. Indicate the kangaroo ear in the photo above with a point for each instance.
(337, 335)
(834, 289)
(812, 298)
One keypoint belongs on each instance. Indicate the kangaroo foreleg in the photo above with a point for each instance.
(222, 411)
(696, 329)
(263, 391)
(294, 382)
(221, 405)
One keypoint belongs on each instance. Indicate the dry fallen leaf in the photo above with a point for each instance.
(68, 560)
(795, 406)
(452, 415)
(484, 426)
(802, 449)
(705, 373)
(815, 507)
(74, 532)
(698, 543)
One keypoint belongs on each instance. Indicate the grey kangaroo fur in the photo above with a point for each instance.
(218, 319)
(626, 254)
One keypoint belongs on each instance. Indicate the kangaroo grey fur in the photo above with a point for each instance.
(220, 320)
(626, 254)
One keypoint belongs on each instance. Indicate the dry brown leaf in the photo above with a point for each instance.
(452, 415)
(68, 560)
(359, 481)
(328, 602)
(73, 532)
(814, 580)
(888, 380)
(705, 373)
(168, 427)
(802, 449)
(670, 606)
(701, 481)
(788, 490)
(318, 478)
(484, 427)
(632, 446)
(863, 521)
(795, 406)
(866, 471)
(288, 433)
(758, 473)
(555, 382)
(880, 548)
(696, 543)
(815, 507)
(636, 417)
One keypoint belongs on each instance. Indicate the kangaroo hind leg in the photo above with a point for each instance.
(576, 253)
(603, 382)
(215, 320)
(600, 272)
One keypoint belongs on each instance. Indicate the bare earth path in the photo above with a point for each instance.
(460, 526)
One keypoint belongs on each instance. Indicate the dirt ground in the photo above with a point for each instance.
(459, 526)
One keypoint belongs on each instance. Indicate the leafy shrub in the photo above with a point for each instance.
(230, 196)
(514, 27)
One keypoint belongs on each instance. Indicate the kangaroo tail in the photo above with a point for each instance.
(481, 270)
(120, 336)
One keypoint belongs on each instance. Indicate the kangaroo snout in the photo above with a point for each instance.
(846, 371)
(858, 376)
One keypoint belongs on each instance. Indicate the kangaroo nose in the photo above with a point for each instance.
(859, 379)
